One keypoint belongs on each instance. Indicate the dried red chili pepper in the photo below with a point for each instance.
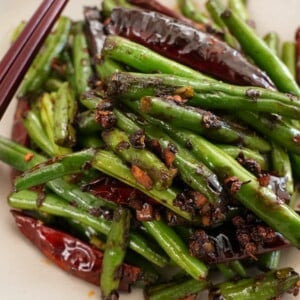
(71, 254)
(186, 44)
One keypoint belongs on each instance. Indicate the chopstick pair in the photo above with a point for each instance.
(20, 55)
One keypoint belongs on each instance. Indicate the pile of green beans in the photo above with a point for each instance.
(167, 132)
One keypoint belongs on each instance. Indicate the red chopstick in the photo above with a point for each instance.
(18, 58)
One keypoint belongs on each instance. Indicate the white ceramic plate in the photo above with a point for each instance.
(24, 273)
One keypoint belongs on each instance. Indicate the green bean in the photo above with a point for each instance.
(191, 11)
(90, 100)
(199, 121)
(176, 249)
(272, 40)
(276, 129)
(267, 286)
(176, 290)
(161, 176)
(262, 201)
(235, 152)
(55, 168)
(52, 84)
(41, 66)
(107, 67)
(17, 31)
(108, 5)
(114, 254)
(65, 108)
(35, 130)
(192, 172)
(145, 60)
(90, 141)
(288, 56)
(215, 8)
(81, 60)
(69, 68)
(86, 122)
(134, 85)
(15, 155)
(281, 166)
(264, 57)
(239, 7)
(269, 261)
(207, 95)
(228, 272)
(47, 120)
(56, 206)
(237, 266)
(112, 165)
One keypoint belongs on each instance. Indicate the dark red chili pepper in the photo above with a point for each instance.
(116, 191)
(71, 254)
(113, 190)
(186, 44)
(94, 31)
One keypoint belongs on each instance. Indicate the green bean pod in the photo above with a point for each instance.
(272, 40)
(90, 100)
(17, 31)
(282, 167)
(15, 155)
(264, 57)
(262, 201)
(215, 9)
(175, 290)
(119, 142)
(56, 206)
(235, 152)
(107, 67)
(81, 60)
(108, 5)
(239, 7)
(267, 286)
(145, 60)
(55, 168)
(65, 108)
(110, 164)
(86, 122)
(35, 130)
(41, 66)
(288, 56)
(114, 254)
(270, 261)
(176, 249)
(46, 105)
(192, 172)
(275, 129)
(226, 270)
(199, 121)
(192, 12)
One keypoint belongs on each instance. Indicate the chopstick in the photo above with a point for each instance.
(20, 55)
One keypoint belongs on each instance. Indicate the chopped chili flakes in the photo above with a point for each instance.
(28, 156)
(142, 177)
